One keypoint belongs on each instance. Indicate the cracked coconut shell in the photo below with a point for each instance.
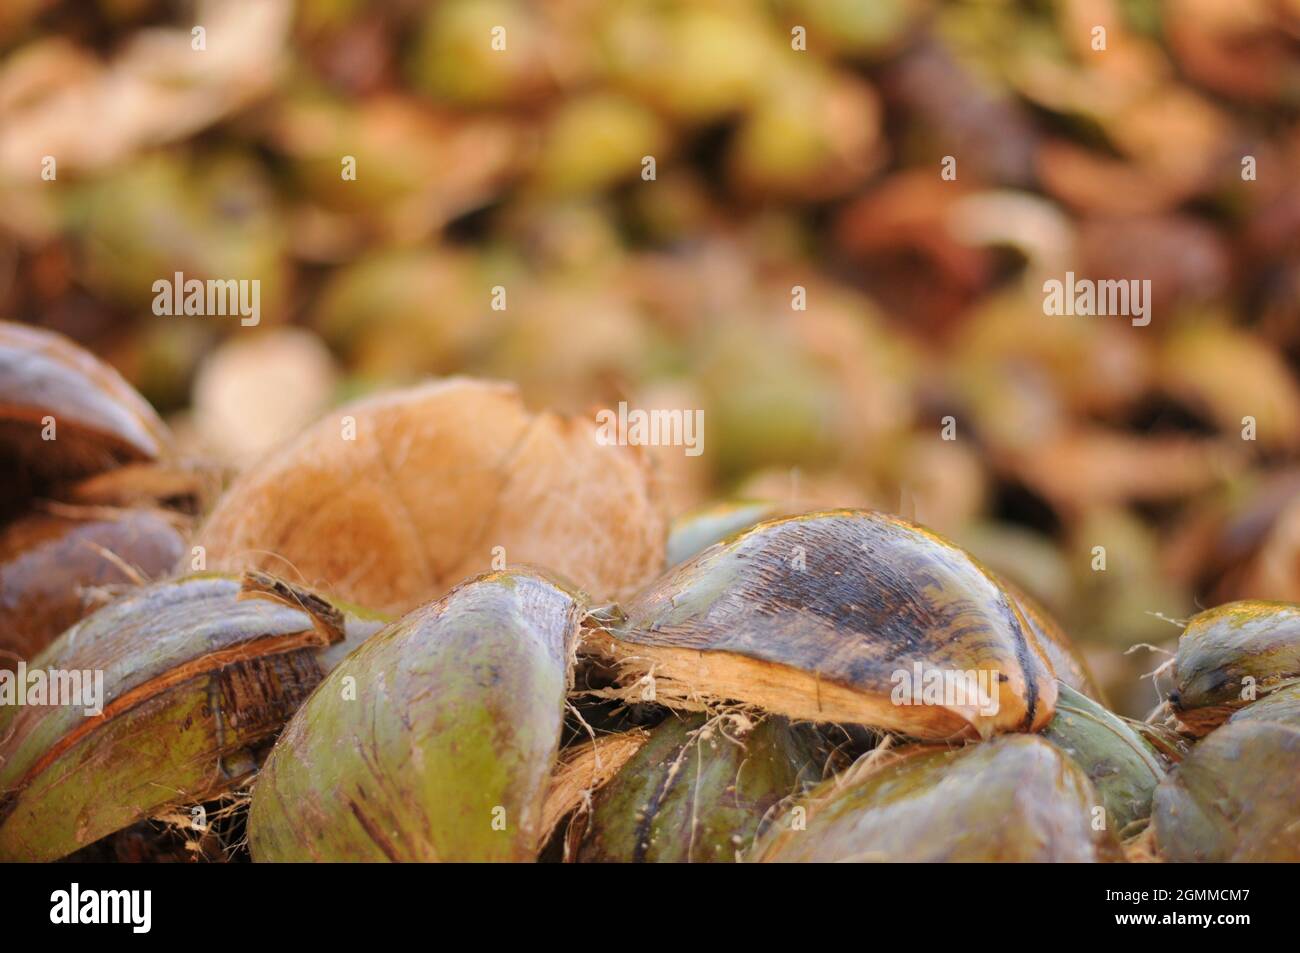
(435, 741)
(813, 617)
(198, 673)
(437, 477)
(702, 527)
(57, 566)
(99, 421)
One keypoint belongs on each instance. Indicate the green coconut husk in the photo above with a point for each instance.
(702, 527)
(199, 674)
(1281, 706)
(435, 741)
(1234, 798)
(1231, 655)
(699, 791)
(1015, 798)
(815, 616)
(1120, 764)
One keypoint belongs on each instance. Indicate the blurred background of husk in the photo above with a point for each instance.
(774, 168)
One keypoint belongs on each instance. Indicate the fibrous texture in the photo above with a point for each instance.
(391, 501)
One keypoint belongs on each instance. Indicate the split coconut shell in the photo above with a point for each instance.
(1231, 655)
(197, 674)
(699, 791)
(1016, 798)
(701, 528)
(57, 566)
(64, 414)
(390, 501)
(435, 741)
(830, 617)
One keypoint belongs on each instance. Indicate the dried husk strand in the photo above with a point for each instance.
(198, 675)
(435, 741)
(814, 616)
(1168, 744)
(580, 771)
